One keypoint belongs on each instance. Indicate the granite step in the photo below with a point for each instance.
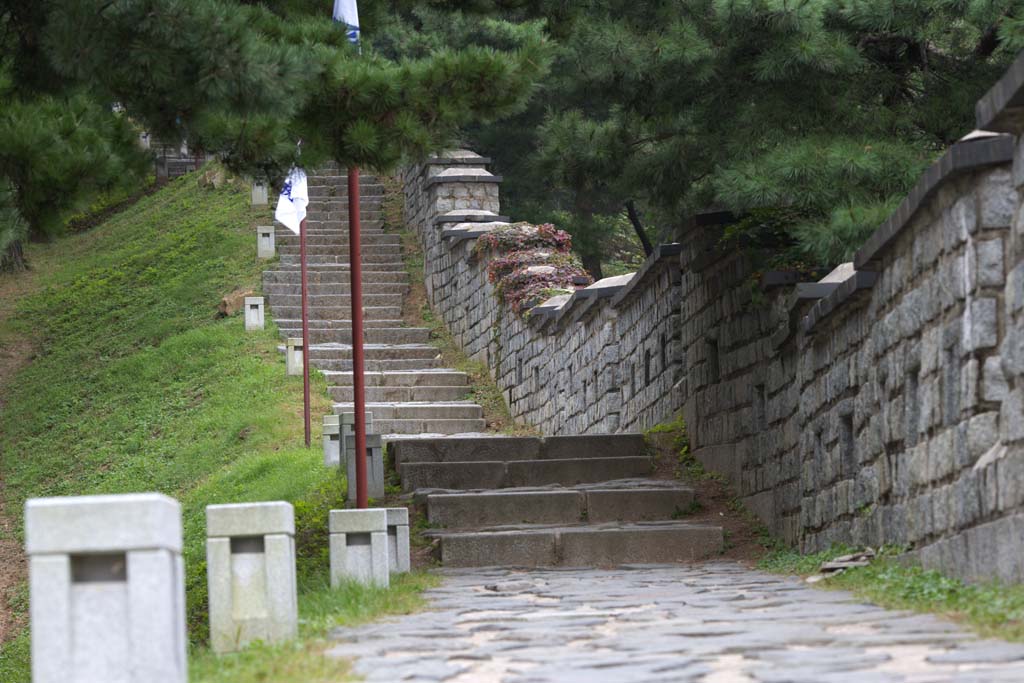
(629, 500)
(332, 250)
(340, 238)
(440, 377)
(497, 474)
(370, 261)
(333, 276)
(451, 410)
(429, 426)
(332, 288)
(372, 317)
(371, 335)
(342, 309)
(592, 545)
(469, 449)
(383, 365)
(417, 394)
(396, 351)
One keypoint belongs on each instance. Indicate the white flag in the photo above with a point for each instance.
(291, 207)
(345, 12)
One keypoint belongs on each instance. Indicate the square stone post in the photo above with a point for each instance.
(266, 246)
(254, 318)
(259, 194)
(348, 428)
(374, 466)
(107, 589)
(332, 441)
(359, 546)
(398, 540)
(293, 355)
(250, 569)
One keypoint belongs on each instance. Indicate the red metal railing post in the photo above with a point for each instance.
(305, 330)
(358, 379)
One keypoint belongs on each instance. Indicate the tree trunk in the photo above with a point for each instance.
(14, 257)
(634, 218)
(592, 263)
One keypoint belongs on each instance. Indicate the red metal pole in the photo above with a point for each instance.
(358, 380)
(305, 330)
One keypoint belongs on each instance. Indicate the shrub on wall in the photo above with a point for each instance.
(530, 264)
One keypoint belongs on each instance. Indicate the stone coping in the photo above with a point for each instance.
(464, 178)
(358, 521)
(470, 217)
(959, 159)
(250, 519)
(1001, 109)
(397, 516)
(815, 290)
(458, 161)
(108, 523)
(652, 266)
(843, 292)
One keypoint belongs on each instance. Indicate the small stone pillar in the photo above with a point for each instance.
(250, 569)
(348, 428)
(398, 540)
(359, 546)
(107, 587)
(265, 244)
(259, 194)
(293, 355)
(374, 466)
(332, 441)
(254, 318)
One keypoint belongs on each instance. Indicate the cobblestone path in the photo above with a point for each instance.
(712, 623)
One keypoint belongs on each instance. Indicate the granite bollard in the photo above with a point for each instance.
(348, 428)
(254, 313)
(265, 246)
(332, 441)
(260, 195)
(250, 569)
(399, 560)
(293, 355)
(374, 466)
(359, 546)
(107, 589)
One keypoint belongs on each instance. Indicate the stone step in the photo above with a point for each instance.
(370, 203)
(342, 310)
(341, 190)
(627, 501)
(377, 351)
(291, 265)
(382, 365)
(317, 224)
(468, 449)
(497, 474)
(372, 317)
(416, 394)
(441, 377)
(452, 410)
(317, 261)
(332, 250)
(339, 238)
(333, 276)
(427, 426)
(371, 335)
(276, 289)
(581, 546)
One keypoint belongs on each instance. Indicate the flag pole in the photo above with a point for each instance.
(305, 330)
(358, 378)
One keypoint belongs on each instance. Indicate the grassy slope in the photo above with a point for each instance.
(139, 388)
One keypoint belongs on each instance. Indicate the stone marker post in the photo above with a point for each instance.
(254, 317)
(374, 466)
(293, 355)
(259, 194)
(398, 540)
(359, 546)
(265, 242)
(332, 441)
(348, 428)
(250, 567)
(107, 589)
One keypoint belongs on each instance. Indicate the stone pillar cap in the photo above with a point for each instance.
(294, 341)
(250, 519)
(358, 521)
(97, 524)
(331, 420)
(398, 516)
(253, 300)
(331, 429)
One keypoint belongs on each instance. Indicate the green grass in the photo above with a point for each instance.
(137, 386)
(990, 609)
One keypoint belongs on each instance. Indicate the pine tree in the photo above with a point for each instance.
(241, 80)
(825, 109)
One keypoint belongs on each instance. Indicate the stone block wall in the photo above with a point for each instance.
(883, 404)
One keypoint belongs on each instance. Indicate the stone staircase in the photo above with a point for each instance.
(573, 501)
(408, 391)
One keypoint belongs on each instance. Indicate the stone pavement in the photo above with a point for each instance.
(710, 623)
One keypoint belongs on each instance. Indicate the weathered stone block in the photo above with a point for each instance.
(332, 441)
(250, 568)
(374, 466)
(293, 351)
(359, 546)
(259, 195)
(981, 325)
(106, 583)
(254, 318)
(265, 242)
(989, 269)
(399, 560)
(993, 382)
(347, 425)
